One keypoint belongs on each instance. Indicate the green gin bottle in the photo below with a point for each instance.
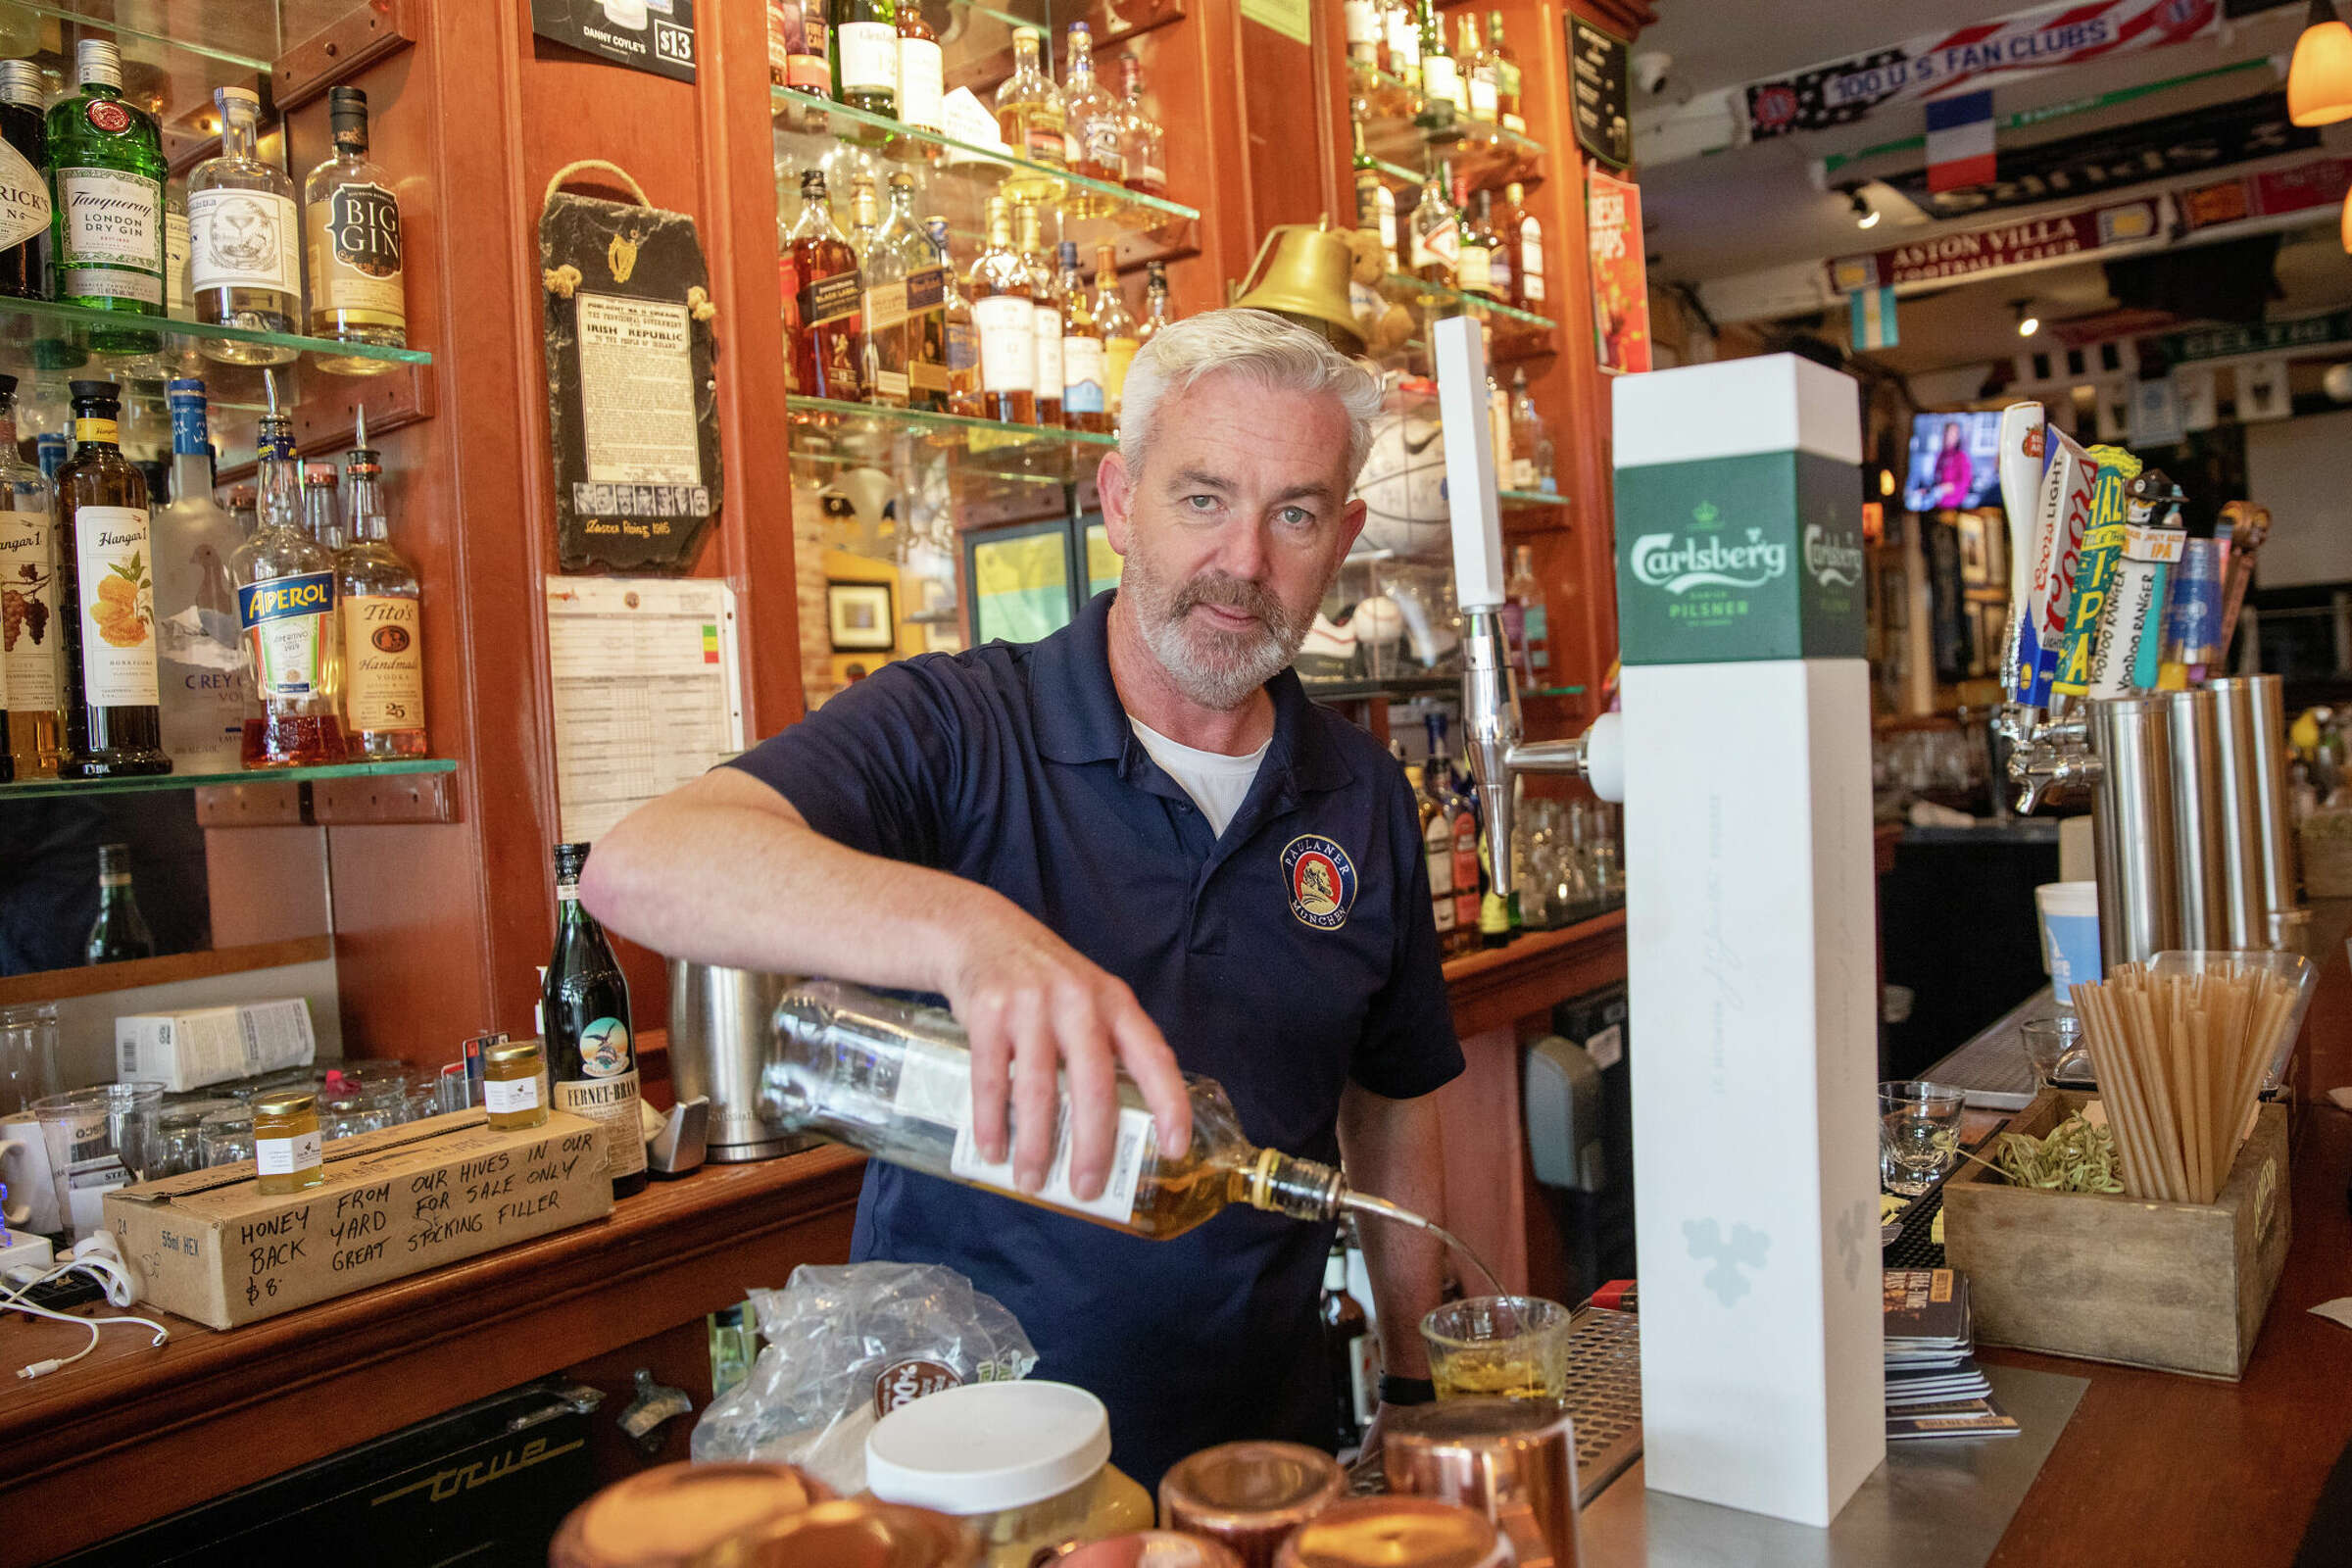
(105, 174)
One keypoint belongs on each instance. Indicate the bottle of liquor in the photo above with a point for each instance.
(591, 1048)
(1142, 141)
(1085, 402)
(1441, 73)
(1523, 233)
(1471, 257)
(322, 506)
(203, 656)
(1157, 311)
(1029, 118)
(1460, 810)
(1507, 74)
(29, 624)
(1375, 203)
(925, 265)
(883, 304)
(895, 1079)
(1525, 622)
(1348, 1350)
(23, 189)
(1400, 23)
(922, 72)
(1479, 71)
(1366, 45)
(866, 54)
(1437, 235)
(119, 933)
(113, 720)
(1095, 122)
(1045, 322)
(243, 252)
(245, 508)
(382, 604)
(824, 323)
(1006, 324)
(1114, 326)
(105, 186)
(179, 303)
(1437, 852)
(353, 221)
(1501, 258)
(960, 337)
(287, 609)
(807, 46)
(1530, 441)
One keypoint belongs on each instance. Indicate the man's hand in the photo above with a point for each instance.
(1033, 1006)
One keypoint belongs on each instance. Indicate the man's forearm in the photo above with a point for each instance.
(1391, 1150)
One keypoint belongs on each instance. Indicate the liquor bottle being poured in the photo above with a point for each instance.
(895, 1079)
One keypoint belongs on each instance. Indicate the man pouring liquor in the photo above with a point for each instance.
(1133, 845)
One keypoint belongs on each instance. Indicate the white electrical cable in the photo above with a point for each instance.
(11, 1299)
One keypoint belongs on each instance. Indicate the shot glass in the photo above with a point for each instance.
(2055, 1046)
(1919, 1134)
(1515, 1347)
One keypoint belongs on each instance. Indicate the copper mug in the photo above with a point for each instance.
(1396, 1533)
(1247, 1497)
(1513, 1460)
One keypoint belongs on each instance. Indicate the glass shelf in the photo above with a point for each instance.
(1532, 498)
(1414, 291)
(35, 327)
(1484, 152)
(31, 789)
(830, 437)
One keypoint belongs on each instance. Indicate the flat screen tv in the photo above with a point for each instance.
(1955, 462)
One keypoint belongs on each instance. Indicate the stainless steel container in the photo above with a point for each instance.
(720, 1024)
(2200, 864)
(2140, 889)
(2240, 818)
(2282, 882)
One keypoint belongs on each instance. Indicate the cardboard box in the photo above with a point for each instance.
(183, 1051)
(2178, 1287)
(209, 1245)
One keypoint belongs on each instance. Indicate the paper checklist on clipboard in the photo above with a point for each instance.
(648, 691)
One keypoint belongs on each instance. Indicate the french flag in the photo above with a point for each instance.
(1960, 140)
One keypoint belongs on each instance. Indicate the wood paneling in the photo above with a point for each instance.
(55, 985)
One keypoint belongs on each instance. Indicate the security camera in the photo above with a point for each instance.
(1649, 70)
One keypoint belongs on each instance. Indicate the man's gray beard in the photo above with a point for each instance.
(1211, 666)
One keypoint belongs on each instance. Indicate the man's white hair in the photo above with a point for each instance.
(1280, 355)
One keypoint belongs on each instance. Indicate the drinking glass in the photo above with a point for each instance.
(1513, 1346)
(99, 1138)
(1919, 1134)
(179, 1135)
(27, 1057)
(226, 1136)
(2055, 1047)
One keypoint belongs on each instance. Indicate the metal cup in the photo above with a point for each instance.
(1396, 1533)
(1514, 1461)
(1249, 1497)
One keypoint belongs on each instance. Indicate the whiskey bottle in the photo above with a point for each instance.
(960, 336)
(243, 250)
(1460, 811)
(105, 185)
(113, 720)
(1437, 236)
(922, 75)
(353, 222)
(1115, 325)
(287, 610)
(24, 207)
(866, 54)
(1474, 255)
(1375, 203)
(1502, 259)
(119, 932)
(381, 600)
(825, 325)
(808, 46)
(1366, 47)
(1525, 622)
(1400, 25)
(1437, 853)
(1141, 143)
(1029, 118)
(1349, 1351)
(895, 1079)
(28, 622)
(591, 1050)
(881, 305)
(1507, 79)
(1084, 406)
(1044, 319)
(1523, 233)
(923, 284)
(1157, 311)
(1006, 320)
(1095, 123)
(1479, 72)
(1441, 73)
(202, 654)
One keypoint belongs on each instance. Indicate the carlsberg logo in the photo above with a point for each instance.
(1833, 565)
(1678, 564)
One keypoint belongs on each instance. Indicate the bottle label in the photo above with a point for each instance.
(1363, 21)
(611, 1104)
(175, 262)
(1046, 337)
(1007, 326)
(963, 349)
(809, 59)
(1440, 78)
(23, 199)
(826, 300)
(1117, 355)
(118, 607)
(885, 306)
(1083, 370)
(1465, 870)
(1470, 269)
(288, 1156)
(1101, 141)
(1531, 260)
(242, 239)
(28, 612)
(1363, 1379)
(868, 52)
(1482, 96)
(605, 1048)
(86, 430)
(504, 1097)
(356, 253)
(923, 85)
(1538, 628)
(926, 289)
(112, 244)
(1436, 241)
(384, 663)
(1137, 1141)
(287, 622)
(1042, 142)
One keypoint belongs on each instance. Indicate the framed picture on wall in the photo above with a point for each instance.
(860, 618)
(1975, 564)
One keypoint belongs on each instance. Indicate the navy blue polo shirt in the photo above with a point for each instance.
(1283, 959)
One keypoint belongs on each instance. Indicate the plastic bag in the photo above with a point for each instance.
(848, 1344)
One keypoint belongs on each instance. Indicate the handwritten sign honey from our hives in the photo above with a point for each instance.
(209, 1245)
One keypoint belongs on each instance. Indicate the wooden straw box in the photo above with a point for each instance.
(2178, 1287)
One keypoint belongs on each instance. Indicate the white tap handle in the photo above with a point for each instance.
(1460, 355)
(1604, 758)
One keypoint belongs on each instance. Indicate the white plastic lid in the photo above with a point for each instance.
(2068, 898)
(988, 1446)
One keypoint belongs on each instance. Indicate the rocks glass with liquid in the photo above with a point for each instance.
(1919, 1134)
(1512, 1347)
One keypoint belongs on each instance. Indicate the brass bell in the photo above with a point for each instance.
(1306, 282)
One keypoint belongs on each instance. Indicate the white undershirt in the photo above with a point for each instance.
(1217, 782)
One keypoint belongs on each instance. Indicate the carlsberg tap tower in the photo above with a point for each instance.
(1749, 923)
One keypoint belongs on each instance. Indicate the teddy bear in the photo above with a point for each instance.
(1385, 324)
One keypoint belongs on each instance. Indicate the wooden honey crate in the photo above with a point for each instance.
(2178, 1287)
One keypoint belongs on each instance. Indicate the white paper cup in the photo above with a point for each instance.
(2070, 934)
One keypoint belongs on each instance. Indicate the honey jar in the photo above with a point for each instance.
(285, 1140)
(512, 1091)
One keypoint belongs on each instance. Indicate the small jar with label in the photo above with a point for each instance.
(511, 1090)
(286, 1145)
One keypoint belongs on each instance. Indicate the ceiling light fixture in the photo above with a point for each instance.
(1865, 215)
(2028, 324)
(2318, 78)
(1886, 481)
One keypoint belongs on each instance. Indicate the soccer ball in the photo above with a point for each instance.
(1403, 486)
